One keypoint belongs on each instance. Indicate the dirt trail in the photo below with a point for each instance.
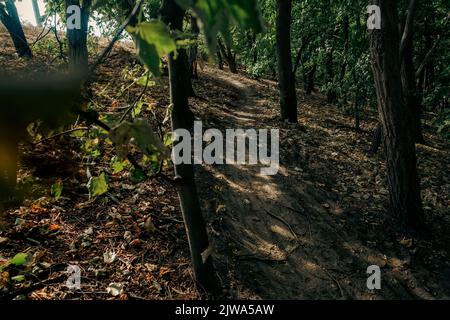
(288, 236)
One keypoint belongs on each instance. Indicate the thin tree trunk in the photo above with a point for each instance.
(410, 92)
(404, 187)
(204, 273)
(219, 60)
(329, 66)
(37, 13)
(376, 138)
(193, 50)
(298, 59)
(346, 26)
(77, 39)
(254, 48)
(310, 79)
(228, 55)
(286, 81)
(10, 18)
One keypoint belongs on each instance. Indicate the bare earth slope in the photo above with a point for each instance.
(312, 230)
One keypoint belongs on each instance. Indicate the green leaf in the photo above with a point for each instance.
(137, 110)
(91, 147)
(19, 259)
(217, 16)
(168, 139)
(142, 134)
(137, 175)
(157, 33)
(98, 186)
(148, 55)
(146, 79)
(18, 278)
(117, 165)
(147, 140)
(153, 40)
(57, 189)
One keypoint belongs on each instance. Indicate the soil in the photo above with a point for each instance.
(312, 230)
(309, 232)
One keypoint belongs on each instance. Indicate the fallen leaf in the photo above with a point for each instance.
(163, 271)
(109, 256)
(136, 243)
(54, 227)
(115, 289)
(149, 226)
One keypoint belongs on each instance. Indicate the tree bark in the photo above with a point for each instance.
(286, 80)
(37, 13)
(10, 18)
(77, 39)
(410, 92)
(197, 235)
(329, 66)
(310, 79)
(193, 50)
(404, 187)
(346, 27)
(228, 55)
(376, 138)
(219, 60)
(254, 48)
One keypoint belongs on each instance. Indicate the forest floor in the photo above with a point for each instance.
(312, 230)
(309, 232)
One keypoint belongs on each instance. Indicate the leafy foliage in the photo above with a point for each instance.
(153, 41)
(98, 186)
(218, 16)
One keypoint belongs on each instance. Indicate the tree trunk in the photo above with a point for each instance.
(404, 187)
(346, 26)
(329, 66)
(228, 55)
(197, 235)
(219, 60)
(37, 13)
(410, 92)
(376, 138)
(77, 39)
(193, 50)
(254, 48)
(309, 81)
(286, 81)
(10, 18)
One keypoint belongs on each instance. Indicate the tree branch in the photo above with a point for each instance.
(116, 37)
(408, 31)
(430, 52)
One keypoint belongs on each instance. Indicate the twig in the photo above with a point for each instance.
(88, 117)
(61, 134)
(133, 105)
(302, 213)
(283, 221)
(255, 257)
(116, 37)
(335, 281)
(135, 297)
(37, 286)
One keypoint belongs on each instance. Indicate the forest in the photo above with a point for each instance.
(224, 149)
